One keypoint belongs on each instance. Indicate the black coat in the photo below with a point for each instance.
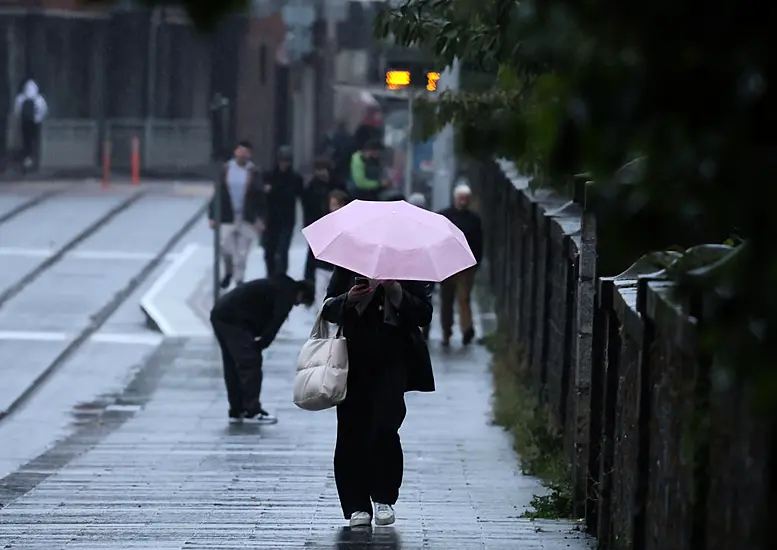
(414, 312)
(261, 306)
(315, 200)
(285, 187)
(253, 204)
(470, 224)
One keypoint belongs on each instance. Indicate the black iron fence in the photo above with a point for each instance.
(667, 452)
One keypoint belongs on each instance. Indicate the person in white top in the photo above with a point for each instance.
(31, 108)
(242, 213)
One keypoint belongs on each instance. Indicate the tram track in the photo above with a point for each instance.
(101, 316)
(12, 291)
(31, 203)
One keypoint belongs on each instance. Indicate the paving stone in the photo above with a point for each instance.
(163, 469)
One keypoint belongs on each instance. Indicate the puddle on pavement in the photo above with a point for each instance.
(86, 412)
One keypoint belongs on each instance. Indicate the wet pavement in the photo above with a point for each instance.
(126, 444)
(62, 275)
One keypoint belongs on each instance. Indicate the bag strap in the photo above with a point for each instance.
(320, 328)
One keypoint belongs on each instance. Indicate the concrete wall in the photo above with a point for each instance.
(257, 87)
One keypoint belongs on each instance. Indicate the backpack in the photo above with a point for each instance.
(28, 110)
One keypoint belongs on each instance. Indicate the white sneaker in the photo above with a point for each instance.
(360, 519)
(384, 514)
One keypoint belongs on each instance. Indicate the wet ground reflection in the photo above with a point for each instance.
(365, 538)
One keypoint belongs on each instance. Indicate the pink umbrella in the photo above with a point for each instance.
(390, 240)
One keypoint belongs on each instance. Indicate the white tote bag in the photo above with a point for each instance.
(322, 369)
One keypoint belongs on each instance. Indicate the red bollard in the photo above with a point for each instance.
(106, 163)
(135, 160)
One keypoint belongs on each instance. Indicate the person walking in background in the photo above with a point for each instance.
(31, 108)
(337, 199)
(419, 200)
(315, 204)
(459, 286)
(338, 146)
(242, 210)
(282, 186)
(387, 357)
(370, 128)
(367, 172)
(245, 322)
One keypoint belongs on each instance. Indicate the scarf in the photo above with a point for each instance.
(392, 299)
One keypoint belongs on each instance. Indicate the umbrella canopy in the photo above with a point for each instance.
(390, 240)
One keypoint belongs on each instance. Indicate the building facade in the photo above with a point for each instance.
(123, 72)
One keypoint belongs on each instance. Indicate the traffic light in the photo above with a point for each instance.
(431, 81)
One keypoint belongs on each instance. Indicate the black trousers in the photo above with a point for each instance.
(368, 455)
(276, 242)
(310, 266)
(30, 133)
(242, 363)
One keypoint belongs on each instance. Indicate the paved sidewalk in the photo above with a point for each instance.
(162, 469)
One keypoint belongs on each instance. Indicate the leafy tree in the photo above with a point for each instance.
(687, 87)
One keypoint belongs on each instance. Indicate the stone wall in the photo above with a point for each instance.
(666, 451)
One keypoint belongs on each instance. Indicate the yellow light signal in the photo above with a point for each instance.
(431, 81)
(397, 79)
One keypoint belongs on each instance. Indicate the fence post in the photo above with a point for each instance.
(586, 296)
(135, 160)
(106, 163)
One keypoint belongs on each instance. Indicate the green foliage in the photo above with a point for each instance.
(587, 87)
(535, 439)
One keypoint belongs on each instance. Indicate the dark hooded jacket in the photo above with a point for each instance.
(261, 306)
(470, 224)
(373, 341)
(315, 200)
(285, 188)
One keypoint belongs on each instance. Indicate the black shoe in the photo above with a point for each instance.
(226, 281)
(235, 416)
(469, 336)
(260, 416)
(446, 341)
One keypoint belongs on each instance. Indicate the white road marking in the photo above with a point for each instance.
(34, 336)
(123, 408)
(27, 252)
(146, 339)
(83, 254)
(147, 303)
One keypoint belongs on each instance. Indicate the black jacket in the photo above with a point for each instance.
(415, 311)
(253, 205)
(285, 188)
(315, 200)
(261, 306)
(469, 223)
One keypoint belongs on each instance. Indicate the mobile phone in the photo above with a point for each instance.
(361, 281)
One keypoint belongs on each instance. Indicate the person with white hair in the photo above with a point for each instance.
(417, 199)
(459, 286)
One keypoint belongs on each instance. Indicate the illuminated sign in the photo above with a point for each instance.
(417, 77)
(397, 79)
(431, 81)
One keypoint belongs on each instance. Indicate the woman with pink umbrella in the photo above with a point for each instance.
(385, 254)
